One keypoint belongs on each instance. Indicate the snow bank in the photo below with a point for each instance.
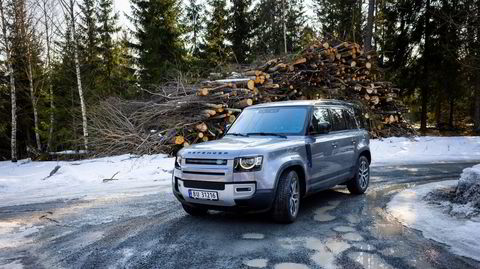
(26, 181)
(425, 149)
(410, 208)
(468, 189)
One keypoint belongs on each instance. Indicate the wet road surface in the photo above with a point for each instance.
(334, 230)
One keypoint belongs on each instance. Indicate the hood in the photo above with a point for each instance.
(232, 146)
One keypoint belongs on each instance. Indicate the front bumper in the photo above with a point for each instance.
(242, 196)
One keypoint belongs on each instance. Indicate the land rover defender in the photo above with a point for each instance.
(274, 155)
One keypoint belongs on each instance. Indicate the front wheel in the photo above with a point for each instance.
(287, 200)
(359, 183)
(194, 211)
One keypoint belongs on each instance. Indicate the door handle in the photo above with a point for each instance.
(334, 145)
(354, 141)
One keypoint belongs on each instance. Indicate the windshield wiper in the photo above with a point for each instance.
(238, 134)
(268, 134)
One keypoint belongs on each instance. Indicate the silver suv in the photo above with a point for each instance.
(272, 156)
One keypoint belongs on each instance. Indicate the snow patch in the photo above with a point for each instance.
(410, 208)
(29, 182)
(468, 188)
(256, 263)
(425, 149)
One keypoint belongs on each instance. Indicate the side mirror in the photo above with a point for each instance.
(324, 127)
(227, 127)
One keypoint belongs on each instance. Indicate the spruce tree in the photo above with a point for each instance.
(215, 49)
(107, 29)
(157, 33)
(194, 24)
(241, 32)
(268, 30)
(340, 18)
(88, 46)
(295, 22)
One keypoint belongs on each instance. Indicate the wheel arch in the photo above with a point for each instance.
(298, 167)
(367, 154)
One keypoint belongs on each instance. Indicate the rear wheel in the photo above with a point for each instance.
(194, 211)
(359, 183)
(287, 200)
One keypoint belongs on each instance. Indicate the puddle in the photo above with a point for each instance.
(289, 265)
(387, 230)
(256, 263)
(326, 252)
(352, 218)
(324, 258)
(352, 237)
(337, 246)
(344, 229)
(322, 214)
(397, 251)
(369, 260)
(292, 243)
(364, 246)
(253, 236)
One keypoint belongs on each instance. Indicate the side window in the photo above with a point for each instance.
(338, 120)
(320, 115)
(350, 120)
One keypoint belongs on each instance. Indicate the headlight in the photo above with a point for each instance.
(178, 162)
(245, 164)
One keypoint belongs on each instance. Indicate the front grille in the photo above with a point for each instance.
(207, 185)
(206, 161)
(204, 173)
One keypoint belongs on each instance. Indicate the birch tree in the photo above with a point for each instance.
(69, 10)
(6, 47)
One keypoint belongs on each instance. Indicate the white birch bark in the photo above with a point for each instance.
(79, 78)
(34, 99)
(13, 139)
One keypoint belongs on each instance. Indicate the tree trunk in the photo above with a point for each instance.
(476, 113)
(50, 88)
(284, 27)
(369, 28)
(13, 139)
(426, 62)
(34, 101)
(79, 78)
(438, 112)
(450, 119)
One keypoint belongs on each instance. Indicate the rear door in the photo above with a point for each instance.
(344, 142)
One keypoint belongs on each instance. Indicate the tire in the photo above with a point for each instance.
(287, 200)
(359, 183)
(194, 211)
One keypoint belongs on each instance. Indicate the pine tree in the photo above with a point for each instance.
(241, 32)
(194, 24)
(157, 32)
(215, 48)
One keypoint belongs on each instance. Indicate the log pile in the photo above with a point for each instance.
(180, 115)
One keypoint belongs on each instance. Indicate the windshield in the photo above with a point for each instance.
(271, 120)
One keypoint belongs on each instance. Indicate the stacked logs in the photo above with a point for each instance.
(174, 118)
